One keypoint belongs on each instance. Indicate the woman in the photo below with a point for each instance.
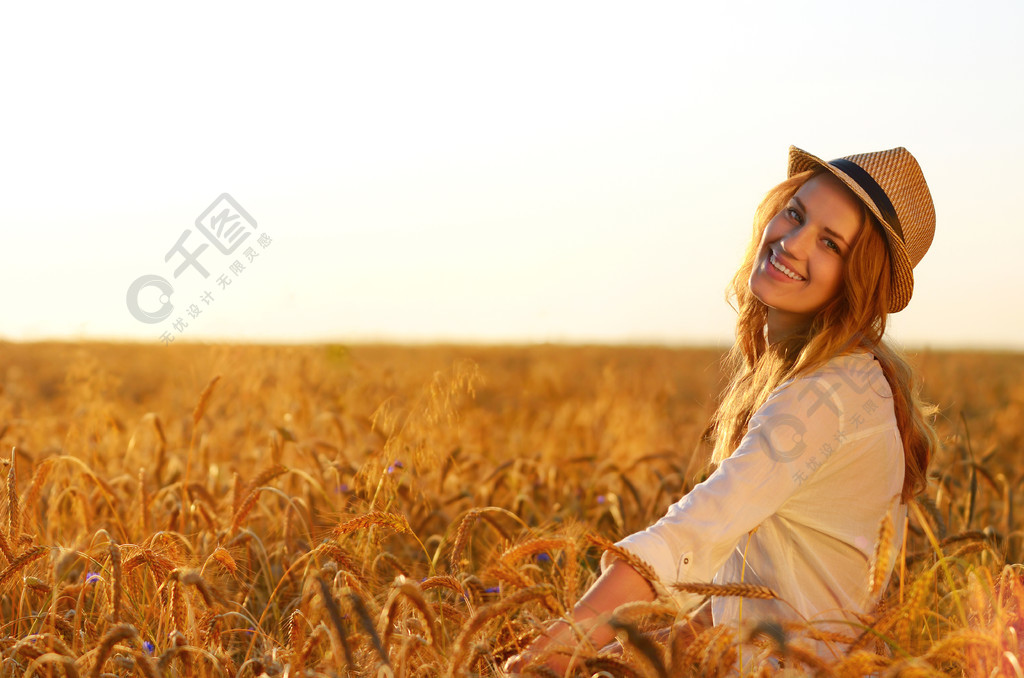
(820, 434)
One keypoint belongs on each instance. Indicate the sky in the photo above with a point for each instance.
(480, 172)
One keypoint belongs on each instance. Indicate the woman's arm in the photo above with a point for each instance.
(617, 585)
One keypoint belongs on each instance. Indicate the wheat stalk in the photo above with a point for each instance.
(343, 558)
(466, 524)
(35, 488)
(314, 638)
(639, 564)
(115, 567)
(236, 492)
(143, 502)
(174, 599)
(339, 639)
(637, 610)
(65, 662)
(13, 514)
(395, 521)
(881, 560)
(503, 572)
(5, 548)
(690, 654)
(960, 638)
(22, 561)
(194, 579)
(296, 638)
(451, 613)
(265, 477)
(461, 537)
(857, 664)
(444, 581)
(223, 557)
(485, 614)
(356, 601)
(204, 400)
(729, 590)
(112, 637)
(643, 645)
(609, 666)
(808, 658)
(404, 588)
(145, 664)
(532, 548)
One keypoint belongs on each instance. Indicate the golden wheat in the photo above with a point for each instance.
(737, 589)
(485, 474)
(881, 560)
(24, 560)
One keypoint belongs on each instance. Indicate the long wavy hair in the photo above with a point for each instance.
(853, 321)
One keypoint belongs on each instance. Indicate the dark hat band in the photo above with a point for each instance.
(874, 191)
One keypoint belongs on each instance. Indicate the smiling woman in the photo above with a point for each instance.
(802, 250)
(820, 437)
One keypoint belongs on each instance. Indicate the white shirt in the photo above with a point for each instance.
(797, 507)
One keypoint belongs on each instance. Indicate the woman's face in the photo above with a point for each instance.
(799, 265)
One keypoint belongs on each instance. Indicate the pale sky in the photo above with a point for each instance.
(526, 172)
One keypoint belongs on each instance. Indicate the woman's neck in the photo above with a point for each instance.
(781, 325)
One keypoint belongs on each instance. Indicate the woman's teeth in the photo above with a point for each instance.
(779, 267)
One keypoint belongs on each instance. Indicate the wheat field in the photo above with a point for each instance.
(362, 510)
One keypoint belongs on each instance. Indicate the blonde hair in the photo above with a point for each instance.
(854, 320)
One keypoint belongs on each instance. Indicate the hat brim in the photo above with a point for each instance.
(902, 272)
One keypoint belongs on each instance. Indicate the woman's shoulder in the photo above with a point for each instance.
(855, 374)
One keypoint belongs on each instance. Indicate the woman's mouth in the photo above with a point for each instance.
(779, 266)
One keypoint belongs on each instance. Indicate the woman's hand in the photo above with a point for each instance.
(559, 632)
(617, 585)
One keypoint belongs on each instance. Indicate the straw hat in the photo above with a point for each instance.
(892, 185)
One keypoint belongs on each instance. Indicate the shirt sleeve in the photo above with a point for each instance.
(699, 532)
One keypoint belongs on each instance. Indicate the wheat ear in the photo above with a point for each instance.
(204, 400)
(13, 514)
(733, 590)
(338, 638)
(395, 521)
(22, 561)
(110, 639)
(363, 614)
(642, 567)
(443, 581)
(35, 488)
(644, 645)
(115, 567)
(533, 547)
(609, 666)
(68, 663)
(5, 548)
(296, 638)
(880, 561)
(485, 614)
(411, 591)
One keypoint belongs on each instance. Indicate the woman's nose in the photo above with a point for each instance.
(797, 242)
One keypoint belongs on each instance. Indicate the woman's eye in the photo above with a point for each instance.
(833, 245)
(793, 214)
